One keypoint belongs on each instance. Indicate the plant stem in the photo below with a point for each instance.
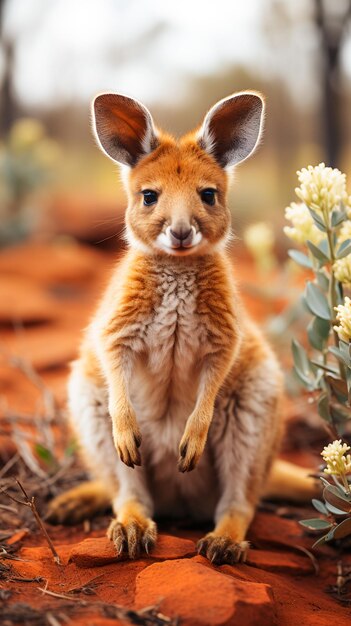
(346, 483)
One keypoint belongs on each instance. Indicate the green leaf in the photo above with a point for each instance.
(302, 365)
(343, 529)
(345, 351)
(324, 246)
(44, 454)
(323, 407)
(325, 366)
(330, 534)
(338, 354)
(318, 332)
(338, 216)
(334, 510)
(322, 280)
(344, 249)
(336, 492)
(300, 357)
(318, 253)
(308, 383)
(316, 301)
(337, 384)
(325, 482)
(319, 506)
(318, 220)
(315, 523)
(300, 258)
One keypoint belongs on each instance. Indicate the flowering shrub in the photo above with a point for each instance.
(28, 158)
(321, 225)
(337, 498)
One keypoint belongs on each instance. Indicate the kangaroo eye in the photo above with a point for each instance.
(150, 197)
(208, 196)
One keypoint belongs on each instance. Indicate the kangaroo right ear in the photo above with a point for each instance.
(124, 128)
(231, 129)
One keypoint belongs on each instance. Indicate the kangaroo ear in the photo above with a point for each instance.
(124, 128)
(231, 129)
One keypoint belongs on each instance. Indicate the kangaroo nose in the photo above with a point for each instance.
(181, 233)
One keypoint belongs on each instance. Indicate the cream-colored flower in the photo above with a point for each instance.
(345, 231)
(342, 270)
(343, 316)
(321, 188)
(25, 133)
(338, 462)
(303, 227)
(259, 238)
(47, 152)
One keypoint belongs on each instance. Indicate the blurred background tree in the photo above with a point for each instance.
(178, 58)
(8, 104)
(333, 20)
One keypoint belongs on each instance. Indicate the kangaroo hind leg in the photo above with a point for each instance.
(79, 503)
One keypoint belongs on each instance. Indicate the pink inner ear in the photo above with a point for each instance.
(234, 127)
(121, 126)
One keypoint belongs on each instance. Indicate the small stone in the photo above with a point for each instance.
(94, 552)
(283, 562)
(201, 596)
(270, 530)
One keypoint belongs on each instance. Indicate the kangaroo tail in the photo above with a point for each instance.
(290, 482)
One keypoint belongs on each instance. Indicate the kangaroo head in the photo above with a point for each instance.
(177, 188)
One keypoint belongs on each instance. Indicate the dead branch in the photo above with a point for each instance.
(30, 502)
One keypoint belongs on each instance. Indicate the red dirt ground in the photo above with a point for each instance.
(47, 293)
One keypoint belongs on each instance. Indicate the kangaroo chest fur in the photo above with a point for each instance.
(165, 378)
(164, 390)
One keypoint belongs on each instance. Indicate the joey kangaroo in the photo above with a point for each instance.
(175, 397)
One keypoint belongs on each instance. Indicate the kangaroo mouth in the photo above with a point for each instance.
(183, 245)
(168, 243)
(181, 248)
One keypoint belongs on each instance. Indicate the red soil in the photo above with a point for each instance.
(52, 290)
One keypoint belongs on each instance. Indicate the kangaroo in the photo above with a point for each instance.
(175, 397)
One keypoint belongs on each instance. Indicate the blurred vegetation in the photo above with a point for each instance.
(27, 162)
(301, 126)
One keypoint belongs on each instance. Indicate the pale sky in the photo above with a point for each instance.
(70, 49)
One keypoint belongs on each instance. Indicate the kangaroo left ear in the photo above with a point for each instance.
(124, 128)
(231, 129)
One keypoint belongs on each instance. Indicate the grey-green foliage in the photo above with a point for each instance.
(325, 368)
(336, 509)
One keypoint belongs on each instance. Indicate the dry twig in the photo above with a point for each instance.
(30, 502)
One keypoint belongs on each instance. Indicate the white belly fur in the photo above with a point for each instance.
(169, 347)
(163, 392)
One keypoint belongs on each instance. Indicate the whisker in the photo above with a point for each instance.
(109, 220)
(106, 239)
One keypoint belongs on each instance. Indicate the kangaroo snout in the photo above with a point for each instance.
(179, 237)
(181, 234)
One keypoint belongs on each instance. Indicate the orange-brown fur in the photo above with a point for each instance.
(171, 354)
